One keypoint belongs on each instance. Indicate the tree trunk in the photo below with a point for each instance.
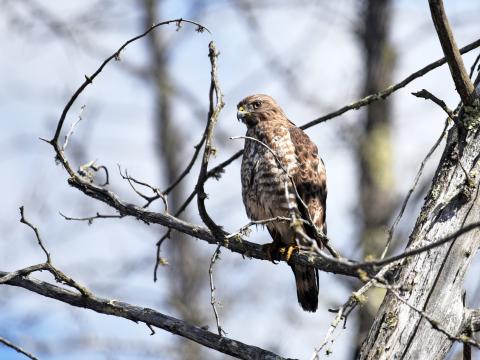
(433, 281)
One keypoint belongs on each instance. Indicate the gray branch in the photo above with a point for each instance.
(452, 54)
(148, 316)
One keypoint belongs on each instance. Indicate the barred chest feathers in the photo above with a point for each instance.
(263, 178)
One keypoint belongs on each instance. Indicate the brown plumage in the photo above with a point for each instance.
(264, 181)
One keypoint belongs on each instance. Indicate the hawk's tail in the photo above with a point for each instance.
(306, 279)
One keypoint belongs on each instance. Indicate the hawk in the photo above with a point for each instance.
(276, 153)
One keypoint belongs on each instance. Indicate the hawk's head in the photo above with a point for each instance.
(256, 108)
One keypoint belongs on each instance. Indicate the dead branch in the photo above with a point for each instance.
(382, 95)
(90, 219)
(213, 299)
(145, 315)
(17, 348)
(427, 95)
(215, 107)
(37, 234)
(450, 50)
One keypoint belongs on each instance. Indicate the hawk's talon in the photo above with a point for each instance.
(288, 251)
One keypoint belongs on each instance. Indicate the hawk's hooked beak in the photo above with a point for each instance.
(242, 113)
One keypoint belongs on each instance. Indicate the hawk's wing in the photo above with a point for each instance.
(310, 180)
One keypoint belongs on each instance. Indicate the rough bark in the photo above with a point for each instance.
(433, 281)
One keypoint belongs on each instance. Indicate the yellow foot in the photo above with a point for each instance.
(288, 251)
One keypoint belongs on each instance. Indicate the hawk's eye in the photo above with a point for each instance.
(256, 104)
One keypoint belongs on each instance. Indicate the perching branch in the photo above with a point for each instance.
(452, 54)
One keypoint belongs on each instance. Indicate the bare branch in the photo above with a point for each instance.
(213, 300)
(90, 219)
(213, 114)
(472, 68)
(145, 315)
(382, 95)
(450, 50)
(70, 132)
(37, 235)
(89, 80)
(187, 169)
(425, 94)
(17, 348)
(48, 266)
(149, 199)
(346, 309)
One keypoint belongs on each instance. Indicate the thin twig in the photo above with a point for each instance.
(48, 266)
(37, 234)
(391, 231)
(245, 228)
(455, 62)
(152, 331)
(216, 105)
(213, 299)
(17, 348)
(60, 155)
(185, 172)
(158, 259)
(425, 94)
(346, 309)
(422, 249)
(158, 194)
(383, 94)
(333, 326)
(472, 68)
(90, 219)
(70, 132)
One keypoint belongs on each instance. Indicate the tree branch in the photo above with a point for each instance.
(450, 50)
(145, 315)
(216, 105)
(382, 95)
(17, 348)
